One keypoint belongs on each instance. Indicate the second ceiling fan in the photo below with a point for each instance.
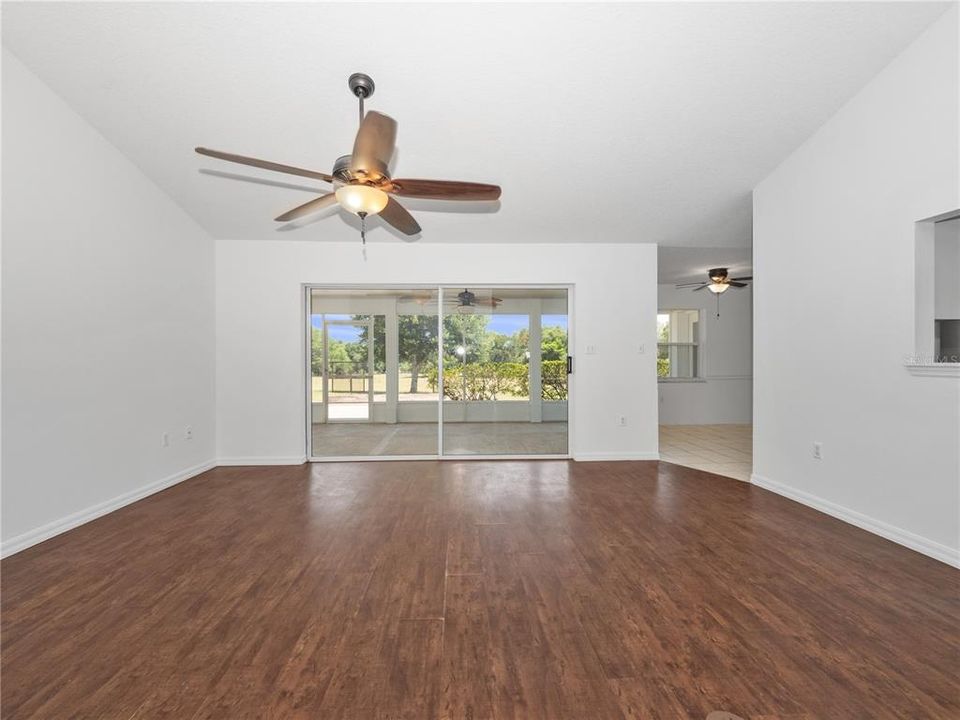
(719, 282)
(361, 181)
(464, 301)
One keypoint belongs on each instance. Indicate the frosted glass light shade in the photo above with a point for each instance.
(362, 199)
(718, 287)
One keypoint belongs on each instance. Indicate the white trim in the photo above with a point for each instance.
(369, 458)
(56, 527)
(440, 371)
(441, 458)
(521, 456)
(933, 549)
(615, 456)
(933, 369)
(262, 460)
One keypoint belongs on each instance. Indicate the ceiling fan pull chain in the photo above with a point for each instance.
(363, 228)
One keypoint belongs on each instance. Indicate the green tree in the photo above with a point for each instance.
(553, 343)
(342, 357)
(418, 344)
(504, 348)
(359, 353)
(468, 331)
(316, 351)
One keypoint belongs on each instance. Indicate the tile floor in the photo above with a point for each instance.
(720, 449)
(459, 438)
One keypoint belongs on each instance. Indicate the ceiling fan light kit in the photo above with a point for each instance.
(361, 181)
(361, 200)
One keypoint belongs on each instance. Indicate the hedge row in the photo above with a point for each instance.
(499, 380)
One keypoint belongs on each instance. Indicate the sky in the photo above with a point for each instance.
(506, 324)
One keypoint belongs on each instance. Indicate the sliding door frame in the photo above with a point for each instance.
(307, 288)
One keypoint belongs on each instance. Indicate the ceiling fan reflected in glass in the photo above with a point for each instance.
(361, 181)
(463, 302)
(719, 282)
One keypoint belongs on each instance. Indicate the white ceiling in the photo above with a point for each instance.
(689, 264)
(608, 123)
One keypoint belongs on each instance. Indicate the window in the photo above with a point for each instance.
(678, 344)
(937, 298)
(946, 292)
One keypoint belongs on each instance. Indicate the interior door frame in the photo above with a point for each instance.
(306, 290)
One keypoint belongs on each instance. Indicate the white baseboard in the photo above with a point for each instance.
(615, 456)
(933, 549)
(51, 529)
(266, 460)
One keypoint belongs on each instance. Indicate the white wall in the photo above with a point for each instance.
(107, 321)
(726, 360)
(260, 333)
(830, 341)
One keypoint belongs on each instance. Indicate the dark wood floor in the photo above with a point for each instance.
(475, 590)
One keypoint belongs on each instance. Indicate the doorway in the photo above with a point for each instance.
(347, 378)
(441, 371)
(704, 363)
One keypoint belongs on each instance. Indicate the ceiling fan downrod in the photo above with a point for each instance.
(362, 86)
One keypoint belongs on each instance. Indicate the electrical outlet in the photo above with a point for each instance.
(818, 451)
(165, 440)
(592, 349)
(621, 420)
(188, 433)
(641, 349)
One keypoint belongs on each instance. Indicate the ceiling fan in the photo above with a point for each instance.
(464, 301)
(719, 282)
(361, 181)
(467, 300)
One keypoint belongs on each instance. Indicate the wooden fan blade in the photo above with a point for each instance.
(374, 145)
(737, 284)
(749, 277)
(419, 299)
(396, 214)
(444, 189)
(702, 287)
(265, 164)
(693, 284)
(324, 201)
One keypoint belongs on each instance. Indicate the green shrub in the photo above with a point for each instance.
(499, 380)
(554, 379)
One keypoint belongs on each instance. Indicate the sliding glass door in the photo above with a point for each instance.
(396, 372)
(505, 371)
(370, 370)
